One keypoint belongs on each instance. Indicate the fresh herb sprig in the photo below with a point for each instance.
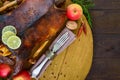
(86, 4)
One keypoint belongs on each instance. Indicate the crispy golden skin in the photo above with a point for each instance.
(4, 51)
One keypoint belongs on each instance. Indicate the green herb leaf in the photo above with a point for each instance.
(86, 4)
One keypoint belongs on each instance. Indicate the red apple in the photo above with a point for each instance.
(74, 12)
(4, 70)
(23, 75)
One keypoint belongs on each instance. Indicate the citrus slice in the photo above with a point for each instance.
(6, 35)
(9, 28)
(14, 42)
(72, 25)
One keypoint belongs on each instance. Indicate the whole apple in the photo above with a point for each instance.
(74, 12)
(23, 75)
(5, 70)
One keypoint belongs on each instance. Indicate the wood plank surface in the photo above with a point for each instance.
(106, 21)
(107, 46)
(73, 63)
(107, 4)
(106, 34)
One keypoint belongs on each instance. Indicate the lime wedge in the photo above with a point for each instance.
(13, 42)
(9, 28)
(6, 35)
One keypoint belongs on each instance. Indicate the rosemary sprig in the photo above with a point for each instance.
(86, 4)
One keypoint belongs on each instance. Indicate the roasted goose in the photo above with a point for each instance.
(47, 27)
(26, 14)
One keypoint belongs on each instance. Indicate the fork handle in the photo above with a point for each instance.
(39, 68)
(42, 64)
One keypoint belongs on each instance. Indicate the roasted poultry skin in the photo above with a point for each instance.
(26, 14)
(45, 28)
(35, 21)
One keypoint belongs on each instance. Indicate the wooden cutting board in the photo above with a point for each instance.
(74, 62)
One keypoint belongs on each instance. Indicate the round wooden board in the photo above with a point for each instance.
(74, 62)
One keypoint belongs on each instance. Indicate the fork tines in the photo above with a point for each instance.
(60, 42)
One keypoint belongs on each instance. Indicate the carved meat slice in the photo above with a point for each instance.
(45, 28)
(26, 14)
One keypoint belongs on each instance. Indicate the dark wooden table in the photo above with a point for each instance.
(106, 33)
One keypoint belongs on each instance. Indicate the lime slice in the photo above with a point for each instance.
(13, 42)
(9, 28)
(6, 35)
